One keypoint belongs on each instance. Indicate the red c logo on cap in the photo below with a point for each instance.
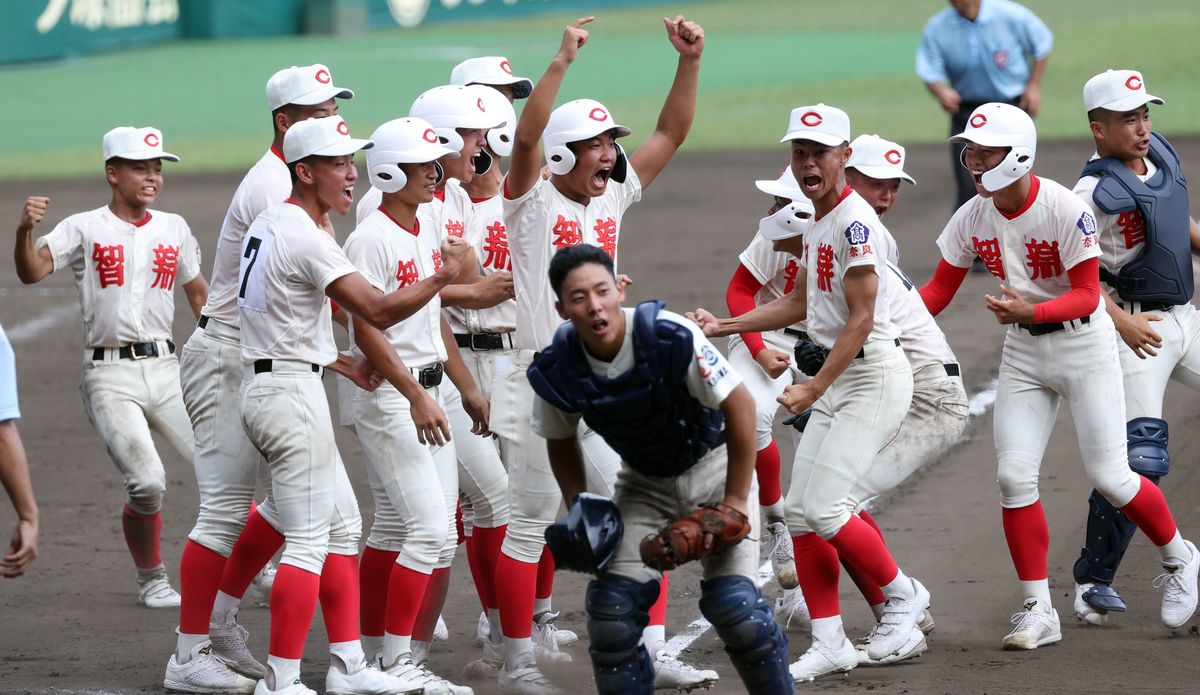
(892, 156)
(479, 104)
(978, 120)
(505, 66)
(322, 76)
(812, 119)
(430, 136)
(598, 114)
(343, 128)
(1134, 82)
(151, 139)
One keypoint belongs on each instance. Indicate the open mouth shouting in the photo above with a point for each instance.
(601, 177)
(810, 184)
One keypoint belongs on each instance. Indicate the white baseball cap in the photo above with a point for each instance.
(491, 70)
(308, 85)
(873, 156)
(324, 137)
(128, 142)
(784, 187)
(827, 125)
(1117, 90)
(788, 221)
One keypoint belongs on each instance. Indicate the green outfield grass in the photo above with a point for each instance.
(763, 57)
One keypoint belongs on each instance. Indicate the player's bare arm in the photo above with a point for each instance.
(32, 264)
(771, 316)
(383, 311)
(197, 294)
(679, 109)
(738, 410)
(360, 372)
(472, 398)
(525, 166)
(472, 290)
(773, 362)
(427, 416)
(14, 474)
(1012, 308)
(566, 461)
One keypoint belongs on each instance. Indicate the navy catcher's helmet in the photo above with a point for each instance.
(586, 539)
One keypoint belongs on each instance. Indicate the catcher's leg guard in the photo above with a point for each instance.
(753, 640)
(1108, 530)
(618, 611)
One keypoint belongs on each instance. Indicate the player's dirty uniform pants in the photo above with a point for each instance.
(126, 400)
(534, 495)
(228, 467)
(286, 417)
(481, 475)
(1179, 359)
(415, 486)
(647, 503)
(1079, 364)
(763, 388)
(851, 422)
(934, 422)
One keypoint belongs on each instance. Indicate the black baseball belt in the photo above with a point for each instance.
(134, 351)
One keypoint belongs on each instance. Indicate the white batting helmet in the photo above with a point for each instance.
(455, 106)
(788, 221)
(1002, 125)
(577, 120)
(499, 139)
(403, 141)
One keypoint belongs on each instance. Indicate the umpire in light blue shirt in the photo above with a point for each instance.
(979, 51)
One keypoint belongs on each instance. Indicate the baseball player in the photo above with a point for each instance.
(401, 425)
(764, 275)
(592, 182)
(1039, 240)
(656, 389)
(859, 394)
(126, 259)
(14, 471)
(1138, 194)
(289, 269)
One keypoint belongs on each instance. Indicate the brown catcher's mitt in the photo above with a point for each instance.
(711, 528)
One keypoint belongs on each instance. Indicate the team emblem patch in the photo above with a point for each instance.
(1000, 58)
(709, 355)
(1086, 224)
(857, 233)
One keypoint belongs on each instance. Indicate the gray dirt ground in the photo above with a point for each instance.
(72, 625)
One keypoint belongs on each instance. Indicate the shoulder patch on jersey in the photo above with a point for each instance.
(709, 355)
(857, 233)
(1086, 224)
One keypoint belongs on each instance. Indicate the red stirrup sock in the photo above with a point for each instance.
(293, 603)
(516, 583)
(1028, 539)
(142, 533)
(374, 570)
(258, 542)
(766, 469)
(339, 597)
(1148, 509)
(862, 547)
(817, 568)
(200, 572)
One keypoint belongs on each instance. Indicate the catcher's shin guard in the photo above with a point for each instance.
(618, 611)
(1108, 530)
(753, 640)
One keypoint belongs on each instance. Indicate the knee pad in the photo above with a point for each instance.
(1108, 535)
(618, 610)
(1147, 437)
(753, 640)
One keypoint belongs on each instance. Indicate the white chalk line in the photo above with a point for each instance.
(977, 405)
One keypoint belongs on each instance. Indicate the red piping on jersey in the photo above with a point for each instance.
(289, 200)
(278, 154)
(142, 222)
(1077, 302)
(845, 194)
(416, 223)
(480, 200)
(739, 297)
(440, 194)
(1034, 186)
(938, 292)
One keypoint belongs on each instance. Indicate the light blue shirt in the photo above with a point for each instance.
(988, 59)
(8, 381)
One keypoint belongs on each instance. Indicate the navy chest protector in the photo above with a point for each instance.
(1163, 271)
(646, 414)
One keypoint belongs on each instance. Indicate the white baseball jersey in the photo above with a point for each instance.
(710, 379)
(125, 272)
(850, 236)
(1121, 236)
(488, 236)
(1031, 250)
(287, 261)
(392, 257)
(775, 270)
(446, 213)
(920, 338)
(539, 224)
(267, 183)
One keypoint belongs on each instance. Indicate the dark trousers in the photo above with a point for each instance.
(964, 185)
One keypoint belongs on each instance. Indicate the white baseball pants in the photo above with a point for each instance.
(481, 475)
(1178, 359)
(763, 388)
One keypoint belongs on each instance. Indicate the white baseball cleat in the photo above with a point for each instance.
(441, 633)
(914, 647)
(783, 564)
(1036, 626)
(259, 591)
(1178, 585)
(156, 592)
(293, 688)
(671, 673)
(362, 680)
(926, 622)
(1084, 610)
(790, 606)
(526, 679)
(229, 647)
(483, 630)
(437, 684)
(822, 660)
(203, 673)
(409, 671)
(546, 632)
(490, 665)
(898, 619)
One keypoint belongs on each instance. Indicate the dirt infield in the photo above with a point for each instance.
(72, 625)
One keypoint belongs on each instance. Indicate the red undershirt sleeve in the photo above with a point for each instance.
(1077, 302)
(739, 297)
(940, 289)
